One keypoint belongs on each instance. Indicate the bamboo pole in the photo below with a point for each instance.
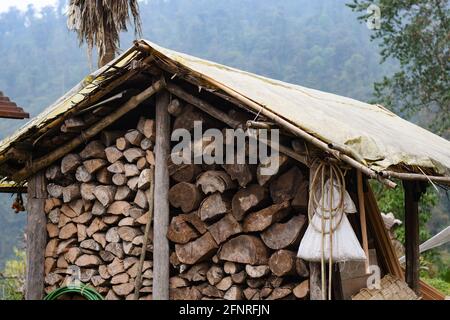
(89, 133)
(415, 177)
(150, 197)
(362, 217)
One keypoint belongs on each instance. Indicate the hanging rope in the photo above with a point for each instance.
(330, 217)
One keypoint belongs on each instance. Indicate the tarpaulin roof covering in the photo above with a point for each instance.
(371, 132)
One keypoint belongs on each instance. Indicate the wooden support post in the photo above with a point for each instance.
(36, 237)
(362, 216)
(161, 200)
(412, 197)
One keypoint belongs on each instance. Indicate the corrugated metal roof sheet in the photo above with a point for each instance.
(371, 132)
(10, 110)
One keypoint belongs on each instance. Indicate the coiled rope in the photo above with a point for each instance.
(328, 214)
(84, 290)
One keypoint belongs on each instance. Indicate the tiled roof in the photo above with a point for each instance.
(9, 109)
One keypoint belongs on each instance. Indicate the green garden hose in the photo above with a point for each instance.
(84, 290)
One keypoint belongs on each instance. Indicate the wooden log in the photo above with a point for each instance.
(71, 192)
(177, 282)
(73, 124)
(285, 262)
(142, 164)
(246, 199)
(134, 137)
(119, 208)
(146, 144)
(77, 207)
(90, 244)
(51, 204)
(239, 277)
(53, 173)
(128, 233)
(280, 293)
(113, 154)
(210, 291)
(161, 199)
(245, 249)
(115, 249)
(234, 293)
(81, 232)
(112, 235)
(185, 196)
(52, 230)
(105, 194)
(133, 154)
(242, 173)
(95, 226)
(116, 167)
(214, 275)
(194, 220)
(181, 232)
(100, 238)
(82, 175)
(122, 144)
(187, 117)
(183, 172)
(98, 209)
(94, 149)
(249, 293)
(123, 289)
(263, 179)
(257, 271)
(284, 235)
(68, 231)
(196, 250)
(285, 186)
(222, 230)
(37, 250)
(261, 220)
(144, 179)
(119, 179)
(70, 163)
(87, 260)
(109, 137)
(301, 291)
(123, 193)
(150, 157)
(148, 128)
(141, 199)
(196, 273)
(224, 284)
(214, 206)
(231, 267)
(94, 165)
(175, 107)
(83, 218)
(215, 181)
(54, 190)
(300, 200)
(104, 176)
(186, 293)
(133, 183)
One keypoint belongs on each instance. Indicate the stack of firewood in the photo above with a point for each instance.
(97, 212)
(234, 232)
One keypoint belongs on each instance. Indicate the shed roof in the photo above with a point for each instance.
(374, 135)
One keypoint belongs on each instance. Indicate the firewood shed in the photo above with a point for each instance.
(97, 167)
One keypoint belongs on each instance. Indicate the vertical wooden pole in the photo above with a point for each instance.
(412, 197)
(362, 216)
(161, 200)
(315, 273)
(36, 237)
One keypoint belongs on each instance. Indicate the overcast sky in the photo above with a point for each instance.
(22, 4)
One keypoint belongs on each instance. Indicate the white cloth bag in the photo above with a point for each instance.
(345, 244)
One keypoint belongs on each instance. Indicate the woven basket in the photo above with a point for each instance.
(392, 288)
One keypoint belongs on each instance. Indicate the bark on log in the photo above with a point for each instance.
(94, 149)
(196, 250)
(223, 229)
(70, 163)
(214, 206)
(215, 181)
(285, 186)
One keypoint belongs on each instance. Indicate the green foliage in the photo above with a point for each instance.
(415, 34)
(392, 200)
(12, 278)
(441, 285)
